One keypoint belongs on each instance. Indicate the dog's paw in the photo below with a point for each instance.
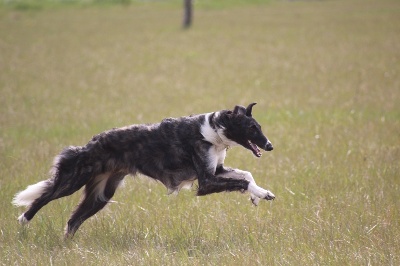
(256, 191)
(255, 200)
(269, 195)
(22, 220)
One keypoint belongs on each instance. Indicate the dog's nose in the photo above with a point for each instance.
(269, 146)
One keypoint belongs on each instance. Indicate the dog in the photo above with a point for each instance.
(175, 152)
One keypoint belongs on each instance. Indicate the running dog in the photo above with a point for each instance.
(175, 152)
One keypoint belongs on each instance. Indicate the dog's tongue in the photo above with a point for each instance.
(256, 151)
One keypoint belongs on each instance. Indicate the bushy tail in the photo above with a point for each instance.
(67, 176)
(31, 193)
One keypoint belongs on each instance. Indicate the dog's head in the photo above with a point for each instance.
(239, 126)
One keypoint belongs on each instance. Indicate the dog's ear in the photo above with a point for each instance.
(249, 109)
(239, 110)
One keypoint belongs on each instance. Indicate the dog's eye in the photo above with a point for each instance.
(253, 127)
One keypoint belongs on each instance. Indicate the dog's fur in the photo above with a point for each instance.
(176, 152)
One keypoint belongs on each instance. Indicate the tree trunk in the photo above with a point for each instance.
(187, 16)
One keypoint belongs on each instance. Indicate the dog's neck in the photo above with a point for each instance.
(214, 133)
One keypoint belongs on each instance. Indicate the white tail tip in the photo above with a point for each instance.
(30, 194)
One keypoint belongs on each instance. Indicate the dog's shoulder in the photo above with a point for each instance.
(185, 122)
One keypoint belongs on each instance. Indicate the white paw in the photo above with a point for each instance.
(259, 192)
(22, 220)
(255, 200)
(269, 195)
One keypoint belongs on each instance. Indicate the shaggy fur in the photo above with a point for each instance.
(175, 152)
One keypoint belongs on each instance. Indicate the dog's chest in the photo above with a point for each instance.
(216, 156)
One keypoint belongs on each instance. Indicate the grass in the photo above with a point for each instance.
(24, 5)
(326, 79)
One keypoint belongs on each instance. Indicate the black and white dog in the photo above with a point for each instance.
(176, 152)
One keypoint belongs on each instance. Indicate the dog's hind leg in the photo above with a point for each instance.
(38, 195)
(68, 175)
(97, 194)
(45, 198)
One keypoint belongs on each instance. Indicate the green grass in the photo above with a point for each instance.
(326, 78)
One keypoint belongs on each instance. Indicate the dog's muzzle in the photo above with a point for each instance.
(269, 146)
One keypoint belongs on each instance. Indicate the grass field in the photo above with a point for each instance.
(325, 74)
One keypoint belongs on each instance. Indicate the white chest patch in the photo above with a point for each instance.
(217, 153)
(215, 157)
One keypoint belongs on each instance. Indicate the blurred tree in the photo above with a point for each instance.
(187, 16)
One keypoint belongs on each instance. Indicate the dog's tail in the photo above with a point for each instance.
(69, 173)
(31, 193)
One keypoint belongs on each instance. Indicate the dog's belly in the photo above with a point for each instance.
(185, 184)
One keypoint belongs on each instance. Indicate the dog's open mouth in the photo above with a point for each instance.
(256, 151)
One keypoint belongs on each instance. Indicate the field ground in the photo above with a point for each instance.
(325, 74)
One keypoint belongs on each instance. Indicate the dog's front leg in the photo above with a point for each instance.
(209, 184)
(208, 181)
(256, 192)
